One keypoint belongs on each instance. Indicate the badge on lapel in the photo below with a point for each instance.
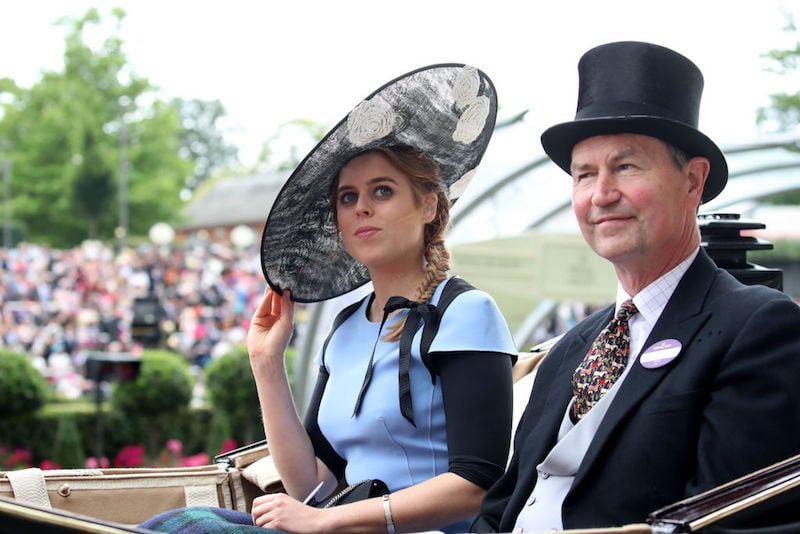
(660, 353)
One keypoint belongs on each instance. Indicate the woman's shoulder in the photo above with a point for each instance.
(461, 293)
(474, 321)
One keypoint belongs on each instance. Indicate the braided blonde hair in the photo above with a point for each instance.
(425, 178)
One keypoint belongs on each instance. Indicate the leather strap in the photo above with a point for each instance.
(28, 487)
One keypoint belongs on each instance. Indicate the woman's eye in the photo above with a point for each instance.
(383, 191)
(347, 197)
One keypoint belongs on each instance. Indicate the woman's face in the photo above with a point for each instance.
(379, 217)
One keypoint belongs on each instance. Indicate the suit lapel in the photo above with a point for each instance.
(681, 319)
(574, 354)
(543, 416)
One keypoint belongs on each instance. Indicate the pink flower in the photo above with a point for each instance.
(195, 460)
(130, 456)
(227, 445)
(94, 463)
(49, 464)
(19, 459)
(175, 446)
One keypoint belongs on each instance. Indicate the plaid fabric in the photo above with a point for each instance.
(204, 520)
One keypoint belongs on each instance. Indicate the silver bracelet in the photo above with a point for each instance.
(387, 513)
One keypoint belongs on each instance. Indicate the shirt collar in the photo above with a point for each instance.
(652, 300)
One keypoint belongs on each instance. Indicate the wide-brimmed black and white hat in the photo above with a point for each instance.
(641, 88)
(447, 111)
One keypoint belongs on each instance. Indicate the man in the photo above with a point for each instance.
(706, 392)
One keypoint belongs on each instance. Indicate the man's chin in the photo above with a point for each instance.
(614, 252)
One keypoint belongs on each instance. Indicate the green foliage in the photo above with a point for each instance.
(784, 250)
(232, 389)
(790, 198)
(783, 114)
(200, 141)
(67, 448)
(230, 383)
(22, 388)
(38, 432)
(219, 430)
(94, 137)
(163, 385)
(284, 150)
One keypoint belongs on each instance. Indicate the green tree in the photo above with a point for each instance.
(284, 150)
(783, 113)
(161, 390)
(163, 385)
(67, 446)
(232, 389)
(93, 147)
(23, 390)
(201, 142)
(93, 185)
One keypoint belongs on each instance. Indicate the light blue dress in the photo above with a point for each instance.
(379, 442)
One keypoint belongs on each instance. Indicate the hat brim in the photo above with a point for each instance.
(447, 111)
(559, 140)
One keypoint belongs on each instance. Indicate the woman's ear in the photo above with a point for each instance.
(430, 204)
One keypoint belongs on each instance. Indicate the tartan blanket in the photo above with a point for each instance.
(205, 520)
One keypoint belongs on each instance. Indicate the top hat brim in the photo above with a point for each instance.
(559, 140)
(448, 111)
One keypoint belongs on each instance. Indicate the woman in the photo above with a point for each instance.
(439, 449)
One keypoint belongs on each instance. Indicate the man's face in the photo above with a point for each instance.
(635, 207)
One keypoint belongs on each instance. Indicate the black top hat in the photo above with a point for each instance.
(642, 88)
(447, 111)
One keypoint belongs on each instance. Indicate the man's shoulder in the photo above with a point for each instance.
(716, 287)
(727, 289)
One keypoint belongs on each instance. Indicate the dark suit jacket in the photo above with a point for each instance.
(727, 405)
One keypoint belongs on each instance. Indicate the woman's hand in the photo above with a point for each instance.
(281, 512)
(271, 326)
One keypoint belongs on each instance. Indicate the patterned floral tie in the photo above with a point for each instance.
(604, 362)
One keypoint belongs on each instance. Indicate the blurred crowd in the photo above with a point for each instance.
(59, 306)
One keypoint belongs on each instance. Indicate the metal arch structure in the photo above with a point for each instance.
(501, 184)
(737, 190)
(773, 178)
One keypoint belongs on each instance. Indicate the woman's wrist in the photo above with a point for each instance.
(268, 363)
(387, 513)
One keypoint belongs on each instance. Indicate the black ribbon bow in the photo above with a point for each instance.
(418, 312)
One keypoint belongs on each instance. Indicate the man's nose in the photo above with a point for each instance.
(606, 188)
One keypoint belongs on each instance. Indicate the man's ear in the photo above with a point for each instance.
(696, 170)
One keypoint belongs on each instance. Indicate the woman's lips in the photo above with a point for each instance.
(366, 231)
